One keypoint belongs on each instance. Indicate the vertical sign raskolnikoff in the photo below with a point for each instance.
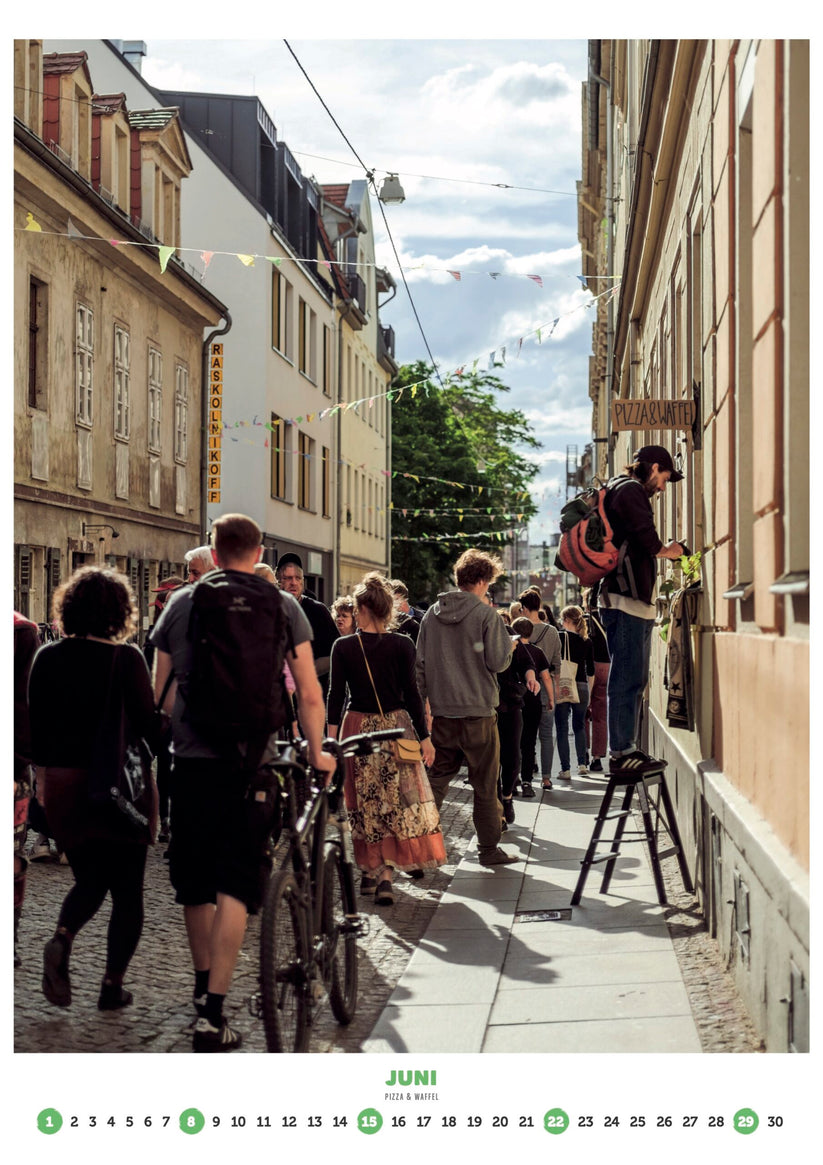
(215, 421)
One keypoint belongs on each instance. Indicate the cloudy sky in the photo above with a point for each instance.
(454, 118)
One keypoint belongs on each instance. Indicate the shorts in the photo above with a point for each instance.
(220, 830)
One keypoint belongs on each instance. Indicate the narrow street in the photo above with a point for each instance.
(160, 976)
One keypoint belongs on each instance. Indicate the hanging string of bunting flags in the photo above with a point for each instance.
(418, 477)
(492, 535)
(164, 254)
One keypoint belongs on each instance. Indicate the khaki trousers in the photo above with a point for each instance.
(474, 739)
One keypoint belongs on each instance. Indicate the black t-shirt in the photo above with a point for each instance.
(70, 688)
(392, 661)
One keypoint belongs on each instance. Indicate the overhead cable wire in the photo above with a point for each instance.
(370, 176)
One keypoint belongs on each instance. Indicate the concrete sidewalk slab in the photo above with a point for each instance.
(598, 977)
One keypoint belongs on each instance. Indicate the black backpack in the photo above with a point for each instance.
(235, 692)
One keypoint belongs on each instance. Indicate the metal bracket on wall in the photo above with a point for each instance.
(697, 423)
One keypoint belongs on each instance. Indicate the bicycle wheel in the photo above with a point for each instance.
(340, 941)
(284, 966)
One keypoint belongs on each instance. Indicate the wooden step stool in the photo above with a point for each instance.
(654, 814)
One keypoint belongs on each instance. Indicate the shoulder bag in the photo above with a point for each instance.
(120, 782)
(566, 682)
(406, 752)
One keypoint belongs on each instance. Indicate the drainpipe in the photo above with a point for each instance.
(597, 79)
(204, 431)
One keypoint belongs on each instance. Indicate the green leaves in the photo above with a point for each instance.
(464, 451)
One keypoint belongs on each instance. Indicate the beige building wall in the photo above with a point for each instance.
(106, 467)
(709, 146)
(365, 482)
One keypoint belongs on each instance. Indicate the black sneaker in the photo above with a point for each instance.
(528, 791)
(113, 997)
(596, 766)
(508, 811)
(56, 982)
(208, 1038)
(634, 764)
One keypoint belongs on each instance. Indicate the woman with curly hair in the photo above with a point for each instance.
(342, 611)
(395, 823)
(81, 685)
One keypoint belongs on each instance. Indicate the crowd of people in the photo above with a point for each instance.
(471, 685)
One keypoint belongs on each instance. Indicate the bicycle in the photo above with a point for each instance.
(310, 923)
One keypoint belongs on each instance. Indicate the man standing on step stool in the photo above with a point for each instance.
(626, 600)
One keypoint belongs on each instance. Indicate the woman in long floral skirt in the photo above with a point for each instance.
(394, 820)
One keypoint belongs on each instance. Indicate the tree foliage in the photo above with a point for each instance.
(446, 438)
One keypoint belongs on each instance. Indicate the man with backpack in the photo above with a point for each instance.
(225, 641)
(626, 599)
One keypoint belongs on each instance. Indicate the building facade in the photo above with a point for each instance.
(366, 367)
(108, 347)
(694, 201)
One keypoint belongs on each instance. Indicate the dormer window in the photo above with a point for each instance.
(111, 162)
(165, 162)
(67, 97)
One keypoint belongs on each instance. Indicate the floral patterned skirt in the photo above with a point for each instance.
(394, 820)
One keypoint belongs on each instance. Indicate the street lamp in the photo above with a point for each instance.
(100, 526)
(391, 192)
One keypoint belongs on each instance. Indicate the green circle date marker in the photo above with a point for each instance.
(745, 1120)
(192, 1121)
(556, 1121)
(369, 1121)
(49, 1121)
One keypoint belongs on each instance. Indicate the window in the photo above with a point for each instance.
(83, 363)
(155, 398)
(122, 362)
(38, 343)
(326, 483)
(181, 414)
(278, 458)
(307, 341)
(306, 448)
(328, 360)
(276, 322)
(282, 315)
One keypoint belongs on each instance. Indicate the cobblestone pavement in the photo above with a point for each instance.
(160, 974)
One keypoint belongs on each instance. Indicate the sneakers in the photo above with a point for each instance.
(498, 857)
(56, 982)
(564, 775)
(528, 791)
(634, 764)
(508, 810)
(582, 770)
(596, 766)
(41, 850)
(208, 1038)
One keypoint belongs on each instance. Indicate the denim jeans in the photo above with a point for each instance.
(630, 641)
(577, 712)
(545, 733)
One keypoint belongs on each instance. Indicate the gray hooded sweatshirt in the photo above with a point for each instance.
(461, 646)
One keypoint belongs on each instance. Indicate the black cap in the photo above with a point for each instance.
(287, 559)
(657, 455)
